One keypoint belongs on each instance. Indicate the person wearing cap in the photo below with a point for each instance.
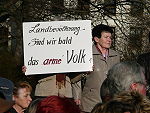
(5, 104)
(6, 88)
(6, 91)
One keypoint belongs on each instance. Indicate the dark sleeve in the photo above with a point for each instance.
(144, 61)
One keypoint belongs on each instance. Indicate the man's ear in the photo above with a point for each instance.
(133, 86)
(96, 39)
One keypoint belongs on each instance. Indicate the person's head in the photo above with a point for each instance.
(114, 106)
(33, 106)
(102, 35)
(21, 95)
(6, 91)
(56, 104)
(126, 76)
(125, 102)
(138, 102)
(6, 88)
(97, 108)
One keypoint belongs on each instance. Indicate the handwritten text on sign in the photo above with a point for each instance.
(57, 47)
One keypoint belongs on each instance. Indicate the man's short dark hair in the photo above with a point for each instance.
(97, 30)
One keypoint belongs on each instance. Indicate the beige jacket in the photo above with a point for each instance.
(91, 92)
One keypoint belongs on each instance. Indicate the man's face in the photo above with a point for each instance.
(105, 40)
(141, 88)
(23, 98)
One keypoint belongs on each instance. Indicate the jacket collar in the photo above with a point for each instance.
(111, 53)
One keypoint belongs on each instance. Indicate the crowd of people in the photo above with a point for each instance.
(112, 86)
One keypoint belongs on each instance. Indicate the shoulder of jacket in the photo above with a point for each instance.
(113, 53)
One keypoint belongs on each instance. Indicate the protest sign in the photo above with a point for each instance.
(57, 46)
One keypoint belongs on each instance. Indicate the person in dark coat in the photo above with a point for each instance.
(144, 61)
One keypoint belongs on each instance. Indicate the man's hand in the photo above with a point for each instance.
(77, 101)
(24, 68)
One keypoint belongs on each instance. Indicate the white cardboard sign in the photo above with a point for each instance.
(57, 46)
